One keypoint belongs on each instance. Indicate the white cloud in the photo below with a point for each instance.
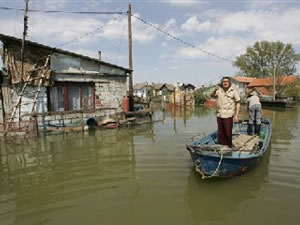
(54, 4)
(261, 4)
(227, 48)
(171, 27)
(141, 32)
(184, 2)
(171, 23)
(45, 28)
(64, 29)
(86, 52)
(231, 34)
(253, 25)
(176, 67)
(164, 44)
(193, 24)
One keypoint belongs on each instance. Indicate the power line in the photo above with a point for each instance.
(86, 34)
(67, 12)
(119, 49)
(181, 40)
(76, 39)
(121, 13)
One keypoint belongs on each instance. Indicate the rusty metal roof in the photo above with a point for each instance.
(244, 79)
(5, 39)
(266, 82)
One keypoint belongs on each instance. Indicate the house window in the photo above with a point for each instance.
(71, 97)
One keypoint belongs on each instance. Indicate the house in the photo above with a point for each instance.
(162, 91)
(264, 86)
(61, 88)
(241, 85)
(261, 91)
(157, 89)
(142, 90)
(166, 91)
(187, 87)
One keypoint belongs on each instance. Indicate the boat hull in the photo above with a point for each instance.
(229, 167)
(213, 160)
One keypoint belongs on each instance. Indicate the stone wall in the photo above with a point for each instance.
(110, 94)
(76, 119)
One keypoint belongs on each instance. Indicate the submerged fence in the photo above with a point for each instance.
(20, 129)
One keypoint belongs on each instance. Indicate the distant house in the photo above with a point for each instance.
(261, 91)
(264, 86)
(187, 87)
(241, 85)
(167, 90)
(71, 88)
(157, 89)
(162, 91)
(142, 90)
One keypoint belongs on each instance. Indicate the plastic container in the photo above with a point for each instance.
(262, 135)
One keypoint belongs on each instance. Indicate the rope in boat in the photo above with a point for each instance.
(197, 167)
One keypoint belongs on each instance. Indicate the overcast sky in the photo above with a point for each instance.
(222, 28)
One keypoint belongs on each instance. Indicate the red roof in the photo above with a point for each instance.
(262, 91)
(244, 79)
(266, 82)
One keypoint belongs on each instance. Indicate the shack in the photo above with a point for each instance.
(55, 88)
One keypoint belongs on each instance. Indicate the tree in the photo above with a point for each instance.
(292, 90)
(265, 58)
(202, 94)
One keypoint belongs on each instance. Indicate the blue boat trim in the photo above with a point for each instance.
(213, 160)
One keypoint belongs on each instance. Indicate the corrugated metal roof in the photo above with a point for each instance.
(170, 87)
(5, 38)
(262, 91)
(139, 86)
(244, 79)
(158, 86)
(266, 82)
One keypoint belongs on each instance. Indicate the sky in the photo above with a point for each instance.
(209, 34)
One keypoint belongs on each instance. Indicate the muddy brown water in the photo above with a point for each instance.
(144, 175)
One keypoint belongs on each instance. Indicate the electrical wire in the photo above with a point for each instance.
(119, 48)
(181, 40)
(122, 13)
(86, 34)
(67, 12)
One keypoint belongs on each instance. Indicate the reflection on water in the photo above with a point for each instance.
(218, 202)
(144, 175)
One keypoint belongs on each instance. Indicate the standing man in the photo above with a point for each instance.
(254, 108)
(228, 109)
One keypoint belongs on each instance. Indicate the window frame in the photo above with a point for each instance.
(65, 86)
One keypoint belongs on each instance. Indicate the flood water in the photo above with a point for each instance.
(144, 175)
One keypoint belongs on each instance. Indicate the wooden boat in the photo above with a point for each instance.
(214, 160)
(279, 103)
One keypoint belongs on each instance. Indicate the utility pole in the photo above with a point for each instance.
(131, 102)
(274, 81)
(23, 46)
(276, 67)
(24, 36)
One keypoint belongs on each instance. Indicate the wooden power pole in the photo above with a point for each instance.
(131, 102)
(24, 36)
(23, 46)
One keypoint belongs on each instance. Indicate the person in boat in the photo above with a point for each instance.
(228, 109)
(254, 110)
